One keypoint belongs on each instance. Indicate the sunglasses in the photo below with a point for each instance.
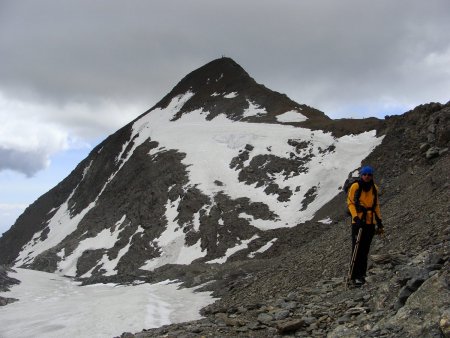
(366, 175)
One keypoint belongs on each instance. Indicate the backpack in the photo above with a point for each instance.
(348, 183)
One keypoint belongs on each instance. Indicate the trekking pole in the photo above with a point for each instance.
(355, 252)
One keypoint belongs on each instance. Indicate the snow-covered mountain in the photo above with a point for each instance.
(216, 163)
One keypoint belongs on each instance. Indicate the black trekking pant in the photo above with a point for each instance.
(360, 265)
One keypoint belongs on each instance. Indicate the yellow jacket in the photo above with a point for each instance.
(366, 201)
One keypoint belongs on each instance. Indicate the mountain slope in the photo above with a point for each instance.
(297, 286)
(204, 174)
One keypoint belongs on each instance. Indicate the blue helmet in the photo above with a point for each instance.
(366, 170)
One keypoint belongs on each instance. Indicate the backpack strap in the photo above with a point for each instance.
(357, 196)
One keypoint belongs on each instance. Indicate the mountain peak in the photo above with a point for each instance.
(218, 74)
(209, 83)
(223, 71)
(222, 86)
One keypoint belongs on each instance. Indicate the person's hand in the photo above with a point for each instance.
(380, 229)
(358, 222)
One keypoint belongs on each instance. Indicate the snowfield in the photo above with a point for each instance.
(53, 306)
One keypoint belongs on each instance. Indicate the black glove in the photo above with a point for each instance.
(357, 221)
(380, 229)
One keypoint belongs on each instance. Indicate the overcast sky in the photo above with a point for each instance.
(72, 72)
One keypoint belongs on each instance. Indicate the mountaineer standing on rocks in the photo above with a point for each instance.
(362, 202)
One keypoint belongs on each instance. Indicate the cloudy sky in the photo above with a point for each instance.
(73, 72)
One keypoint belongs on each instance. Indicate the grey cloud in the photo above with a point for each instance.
(139, 50)
(25, 162)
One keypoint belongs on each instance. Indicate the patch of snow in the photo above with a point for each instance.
(259, 223)
(196, 224)
(231, 95)
(327, 220)
(120, 221)
(355, 173)
(262, 249)
(140, 230)
(291, 116)
(253, 110)
(85, 170)
(241, 246)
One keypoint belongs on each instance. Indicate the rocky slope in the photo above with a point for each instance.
(297, 287)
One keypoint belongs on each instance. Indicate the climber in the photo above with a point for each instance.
(362, 202)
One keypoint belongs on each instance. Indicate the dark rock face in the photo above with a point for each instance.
(309, 197)
(5, 283)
